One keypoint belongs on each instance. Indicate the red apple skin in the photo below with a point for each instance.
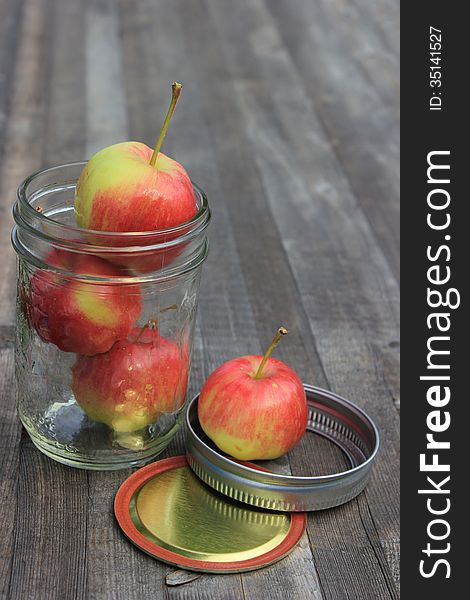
(118, 190)
(253, 419)
(81, 317)
(129, 386)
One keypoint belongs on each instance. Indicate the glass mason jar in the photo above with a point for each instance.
(105, 324)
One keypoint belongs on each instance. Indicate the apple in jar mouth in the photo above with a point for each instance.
(128, 187)
(120, 191)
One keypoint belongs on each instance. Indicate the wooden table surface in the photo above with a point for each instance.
(289, 121)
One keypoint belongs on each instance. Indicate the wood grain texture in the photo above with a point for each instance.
(9, 466)
(235, 311)
(106, 109)
(50, 529)
(10, 14)
(289, 121)
(23, 135)
(343, 330)
(354, 91)
(65, 137)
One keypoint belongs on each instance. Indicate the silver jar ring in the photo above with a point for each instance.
(330, 416)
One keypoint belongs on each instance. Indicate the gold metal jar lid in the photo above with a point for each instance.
(169, 513)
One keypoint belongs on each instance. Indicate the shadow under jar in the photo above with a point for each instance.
(105, 324)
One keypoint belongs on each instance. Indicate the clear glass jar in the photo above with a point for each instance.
(105, 324)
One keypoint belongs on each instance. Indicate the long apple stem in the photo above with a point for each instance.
(176, 91)
(280, 332)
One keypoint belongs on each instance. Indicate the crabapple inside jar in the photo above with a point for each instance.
(105, 324)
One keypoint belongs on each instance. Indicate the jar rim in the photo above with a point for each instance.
(167, 274)
(32, 225)
(202, 214)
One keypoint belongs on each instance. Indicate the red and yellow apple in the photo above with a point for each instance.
(254, 407)
(119, 190)
(80, 316)
(129, 187)
(128, 387)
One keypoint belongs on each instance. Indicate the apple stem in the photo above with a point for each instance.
(280, 332)
(151, 324)
(176, 91)
(172, 307)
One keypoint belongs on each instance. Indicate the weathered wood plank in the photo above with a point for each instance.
(49, 555)
(290, 181)
(18, 106)
(269, 283)
(116, 569)
(363, 129)
(384, 17)
(267, 111)
(9, 462)
(24, 134)
(65, 133)
(48, 558)
(223, 308)
(362, 31)
(348, 351)
(105, 101)
(297, 569)
(10, 14)
(225, 313)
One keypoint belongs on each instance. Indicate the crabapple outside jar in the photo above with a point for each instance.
(105, 324)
